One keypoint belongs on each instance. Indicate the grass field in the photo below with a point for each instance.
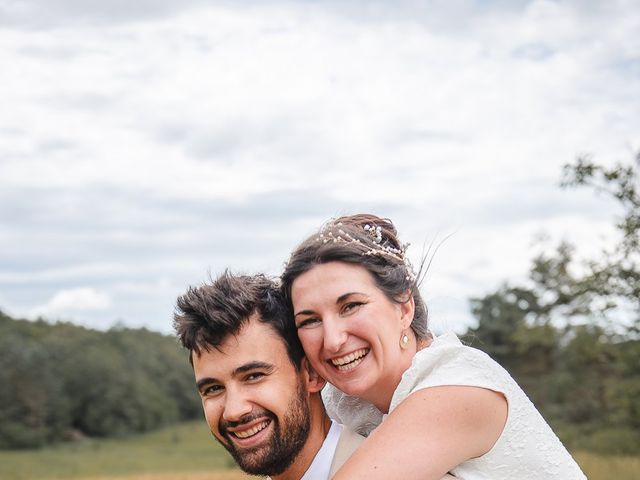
(222, 475)
(188, 452)
(598, 467)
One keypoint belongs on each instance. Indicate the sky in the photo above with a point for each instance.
(147, 145)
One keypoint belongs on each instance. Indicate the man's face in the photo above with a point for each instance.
(254, 400)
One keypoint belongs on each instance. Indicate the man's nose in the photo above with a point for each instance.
(237, 404)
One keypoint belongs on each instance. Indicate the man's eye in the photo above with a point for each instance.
(308, 322)
(212, 390)
(255, 376)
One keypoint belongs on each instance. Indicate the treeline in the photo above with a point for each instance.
(571, 334)
(64, 381)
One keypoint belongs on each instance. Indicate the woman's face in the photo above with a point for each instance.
(350, 330)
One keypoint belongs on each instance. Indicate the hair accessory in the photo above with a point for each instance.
(375, 232)
(332, 232)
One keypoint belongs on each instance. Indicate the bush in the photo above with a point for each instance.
(609, 441)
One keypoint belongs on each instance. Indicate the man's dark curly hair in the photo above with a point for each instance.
(206, 315)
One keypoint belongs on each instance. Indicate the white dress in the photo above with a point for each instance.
(527, 449)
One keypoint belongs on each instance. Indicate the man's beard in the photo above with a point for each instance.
(285, 443)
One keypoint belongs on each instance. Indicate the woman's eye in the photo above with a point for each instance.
(351, 306)
(308, 322)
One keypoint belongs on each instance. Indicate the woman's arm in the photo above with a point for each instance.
(428, 434)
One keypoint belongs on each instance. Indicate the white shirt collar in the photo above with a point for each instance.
(321, 465)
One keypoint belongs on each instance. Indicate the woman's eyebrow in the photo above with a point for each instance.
(344, 297)
(339, 300)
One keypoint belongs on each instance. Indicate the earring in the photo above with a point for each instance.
(404, 341)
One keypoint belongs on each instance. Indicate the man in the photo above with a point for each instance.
(260, 396)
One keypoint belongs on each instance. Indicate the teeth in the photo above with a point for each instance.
(252, 431)
(350, 361)
(350, 366)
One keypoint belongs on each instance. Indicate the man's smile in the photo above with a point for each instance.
(250, 431)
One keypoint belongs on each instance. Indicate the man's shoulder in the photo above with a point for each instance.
(348, 443)
(349, 439)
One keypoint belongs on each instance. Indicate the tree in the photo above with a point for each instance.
(615, 277)
(571, 336)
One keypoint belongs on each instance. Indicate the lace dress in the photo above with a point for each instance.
(527, 449)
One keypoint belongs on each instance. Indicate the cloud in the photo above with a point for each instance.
(73, 301)
(53, 13)
(143, 145)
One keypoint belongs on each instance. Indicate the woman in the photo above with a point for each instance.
(446, 407)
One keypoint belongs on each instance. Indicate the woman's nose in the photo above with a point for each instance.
(335, 335)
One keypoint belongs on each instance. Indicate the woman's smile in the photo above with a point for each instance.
(350, 361)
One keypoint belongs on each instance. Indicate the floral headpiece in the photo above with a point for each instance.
(328, 234)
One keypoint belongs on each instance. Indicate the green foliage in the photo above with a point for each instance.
(63, 380)
(33, 406)
(570, 336)
(611, 441)
(620, 182)
(616, 275)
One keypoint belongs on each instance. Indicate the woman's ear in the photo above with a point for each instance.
(407, 311)
(314, 381)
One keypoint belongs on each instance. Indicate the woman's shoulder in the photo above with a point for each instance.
(447, 353)
(447, 361)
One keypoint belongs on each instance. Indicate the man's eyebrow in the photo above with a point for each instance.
(256, 365)
(247, 367)
(340, 299)
(203, 382)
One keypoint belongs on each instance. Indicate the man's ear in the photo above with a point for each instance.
(407, 311)
(314, 381)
